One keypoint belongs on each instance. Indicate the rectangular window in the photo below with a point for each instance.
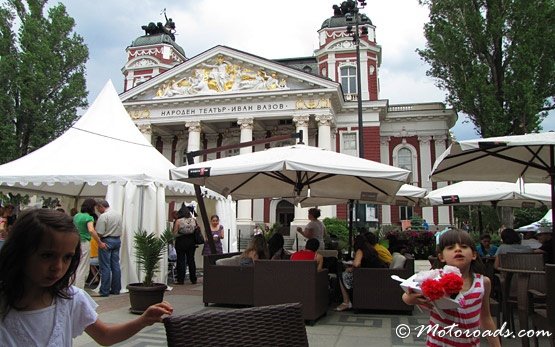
(349, 144)
(349, 79)
(405, 212)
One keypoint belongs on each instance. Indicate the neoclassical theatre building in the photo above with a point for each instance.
(225, 96)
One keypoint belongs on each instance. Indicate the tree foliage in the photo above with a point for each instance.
(496, 60)
(42, 64)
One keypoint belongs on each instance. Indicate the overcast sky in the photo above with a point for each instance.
(270, 29)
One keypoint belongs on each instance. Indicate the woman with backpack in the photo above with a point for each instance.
(184, 231)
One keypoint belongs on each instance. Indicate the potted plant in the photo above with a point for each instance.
(149, 250)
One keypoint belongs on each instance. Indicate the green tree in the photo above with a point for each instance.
(496, 60)
(42, 64)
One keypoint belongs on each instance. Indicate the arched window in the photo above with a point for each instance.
(404, 159)
(349, 79)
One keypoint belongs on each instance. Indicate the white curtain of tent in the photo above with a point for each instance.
(226, 212)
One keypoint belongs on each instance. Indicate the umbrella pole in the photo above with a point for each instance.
(480, 223)
(552, 176)
(351, 203)
(202, 207)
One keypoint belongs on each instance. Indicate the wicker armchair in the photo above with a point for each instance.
(519, 261)
(285, 281)
(542, 319)
(277, 325)
(373, 289)
(227, 284)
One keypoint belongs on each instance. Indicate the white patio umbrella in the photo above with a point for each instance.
(491, 193)
(507, 158)
(296, 171)
(408, 195)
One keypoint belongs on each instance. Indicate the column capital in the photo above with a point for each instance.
(301, 120)
(384, 140)
(193, 126)
(424, 139)
(324, 119)
(211, 137)
(246, 123)
(145, 129)
(440, 137)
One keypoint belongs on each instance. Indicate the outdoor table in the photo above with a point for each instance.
(523, 278)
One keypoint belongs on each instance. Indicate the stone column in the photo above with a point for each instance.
(301, 214)
(301, 123)
(442, 211)
(194, 137)
(324, 141)
(244, 207)
(146, 130)
(426, 169)
(384, 158)
(324, 130)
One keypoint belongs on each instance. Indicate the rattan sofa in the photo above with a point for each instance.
(373, 289)
(232, 285)
(286, 281)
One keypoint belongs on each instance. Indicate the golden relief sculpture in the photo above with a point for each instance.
(140, 114)
(221, 77)
(312, 103)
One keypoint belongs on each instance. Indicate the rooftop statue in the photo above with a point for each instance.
(158, 28)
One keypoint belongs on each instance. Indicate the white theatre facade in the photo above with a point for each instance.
(225, 96)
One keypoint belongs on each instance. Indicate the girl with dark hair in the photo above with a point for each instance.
(38, 304)
(217, 231)
(84, 222)
(257, 249)
(315, 229)
(456, 248)
(365, 256)
(275, 247)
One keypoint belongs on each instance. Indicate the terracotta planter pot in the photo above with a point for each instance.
(142, 297)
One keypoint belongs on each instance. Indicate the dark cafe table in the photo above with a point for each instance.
(523, 279)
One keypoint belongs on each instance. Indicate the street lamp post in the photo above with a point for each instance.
(350, 10)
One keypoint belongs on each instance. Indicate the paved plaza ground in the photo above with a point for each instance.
(336, 329)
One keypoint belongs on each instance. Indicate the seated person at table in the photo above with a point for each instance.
(275, 247)
(365, 256)
(310, 253)
(485, 248)
(547, 246)
(257, 249)
(529, 239)
(383, 253)
(511, 244)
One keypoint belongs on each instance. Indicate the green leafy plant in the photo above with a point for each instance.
(416, 222)
(149, 249)
(337, 229)
(419, 243)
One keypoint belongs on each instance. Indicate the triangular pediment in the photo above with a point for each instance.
(223, 71)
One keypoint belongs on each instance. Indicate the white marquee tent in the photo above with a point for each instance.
(536, 225)
(104, 155)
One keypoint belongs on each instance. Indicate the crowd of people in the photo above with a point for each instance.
(47, 254)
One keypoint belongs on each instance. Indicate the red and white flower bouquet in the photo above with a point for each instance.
(441, 286)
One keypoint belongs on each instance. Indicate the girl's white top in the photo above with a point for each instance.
(53, 326)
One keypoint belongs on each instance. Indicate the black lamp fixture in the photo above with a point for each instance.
(350, 10)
